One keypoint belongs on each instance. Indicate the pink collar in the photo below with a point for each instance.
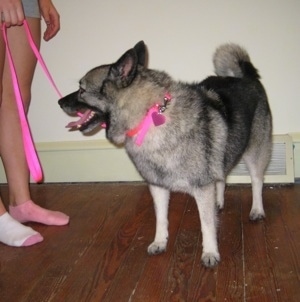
(154, 117)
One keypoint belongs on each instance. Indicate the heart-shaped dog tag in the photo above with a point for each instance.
(158, 118)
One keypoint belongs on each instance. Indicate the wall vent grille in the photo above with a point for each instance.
(281, 166)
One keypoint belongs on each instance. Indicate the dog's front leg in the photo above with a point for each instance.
(205, 199)
(161, 203)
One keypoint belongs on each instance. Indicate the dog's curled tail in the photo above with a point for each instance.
(231, 60)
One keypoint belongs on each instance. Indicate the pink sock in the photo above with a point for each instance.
(33, 240)
(29, 211)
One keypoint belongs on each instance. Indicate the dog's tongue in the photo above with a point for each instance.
(83, 117)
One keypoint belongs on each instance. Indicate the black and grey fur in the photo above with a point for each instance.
(209, 127)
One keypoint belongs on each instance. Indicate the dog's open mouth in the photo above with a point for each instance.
(87, 121)
(85, 118)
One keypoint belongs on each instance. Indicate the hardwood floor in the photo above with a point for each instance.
(101, 255)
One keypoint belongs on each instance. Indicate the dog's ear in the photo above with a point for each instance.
(124, 70)
(140, 49)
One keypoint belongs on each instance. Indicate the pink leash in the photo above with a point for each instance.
(30, 151)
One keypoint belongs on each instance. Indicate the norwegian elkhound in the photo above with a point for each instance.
(182, 137)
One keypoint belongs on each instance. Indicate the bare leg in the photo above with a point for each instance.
(11, 231)
(11, 144)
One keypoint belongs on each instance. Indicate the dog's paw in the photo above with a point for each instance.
(256, 215)
(157, 247)
(210, 259)
(220, 206)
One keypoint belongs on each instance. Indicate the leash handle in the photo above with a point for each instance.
(30, 151)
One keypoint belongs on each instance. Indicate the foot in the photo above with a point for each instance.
(29, 211)
(13, 233)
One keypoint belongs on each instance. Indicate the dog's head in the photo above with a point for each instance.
(95, 97)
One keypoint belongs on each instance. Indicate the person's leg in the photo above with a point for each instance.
(12, 232)
(11, 143)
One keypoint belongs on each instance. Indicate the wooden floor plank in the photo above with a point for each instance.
(230, 280)
(106, 252)
(283, 234)
(255, 255)
(130, 270)
(202, 283)
(260, 280)
(102, 254)
(182, 265)
(157, 266)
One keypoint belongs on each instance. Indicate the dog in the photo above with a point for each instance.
(183, 137)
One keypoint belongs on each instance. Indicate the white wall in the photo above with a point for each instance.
(181, 38)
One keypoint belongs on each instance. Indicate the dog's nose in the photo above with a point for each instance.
(60, 102)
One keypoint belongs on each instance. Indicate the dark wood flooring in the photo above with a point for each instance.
(101, 255)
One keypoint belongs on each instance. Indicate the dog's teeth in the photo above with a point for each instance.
(90, 116)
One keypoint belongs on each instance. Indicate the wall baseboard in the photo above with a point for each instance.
(83, 161)
(100, 161)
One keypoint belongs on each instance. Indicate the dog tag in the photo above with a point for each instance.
(158, 119)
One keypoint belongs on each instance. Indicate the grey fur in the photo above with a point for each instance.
(209, 127)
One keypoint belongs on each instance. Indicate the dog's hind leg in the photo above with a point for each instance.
(220, 187)
(161, 203)
(257, 162)
(205, 199)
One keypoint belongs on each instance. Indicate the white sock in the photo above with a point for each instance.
(14, 233)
